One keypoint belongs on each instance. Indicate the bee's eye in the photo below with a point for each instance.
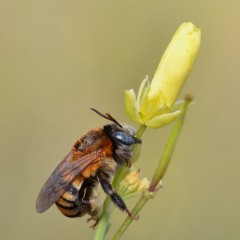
(124, 138)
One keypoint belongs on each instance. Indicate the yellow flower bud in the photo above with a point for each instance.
(174, 67)
(132, 185)
(144, 184)
(156, 99)
(133, 177)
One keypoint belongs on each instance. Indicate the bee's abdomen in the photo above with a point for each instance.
(69, 203)
(69, 208)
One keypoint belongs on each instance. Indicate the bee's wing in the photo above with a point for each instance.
(62, 177)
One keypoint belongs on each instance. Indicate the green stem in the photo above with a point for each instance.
(103, 224)
(160, 170)
(140, 131)
(108, 207)
(169, 147)
(140, 204)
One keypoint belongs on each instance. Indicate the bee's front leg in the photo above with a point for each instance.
(115, 197)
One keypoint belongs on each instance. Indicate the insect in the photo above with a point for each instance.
(93, 159)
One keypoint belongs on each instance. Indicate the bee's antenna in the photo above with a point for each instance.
(107, 116)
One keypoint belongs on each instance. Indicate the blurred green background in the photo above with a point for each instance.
(59, 58)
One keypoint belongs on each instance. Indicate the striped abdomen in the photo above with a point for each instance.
(76, 201)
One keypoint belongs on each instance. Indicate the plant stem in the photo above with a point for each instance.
(108, 207)
(169, 147)
(103, 224)
(160, 170)
(140, 204)
(140, 131)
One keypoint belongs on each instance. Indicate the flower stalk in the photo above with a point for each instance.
(170, 145)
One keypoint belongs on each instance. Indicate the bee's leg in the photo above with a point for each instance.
(84, 200)
(95, 219)
(85, 193)
(123, 155)
(115, 197)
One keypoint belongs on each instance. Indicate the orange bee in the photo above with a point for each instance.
(94, 158)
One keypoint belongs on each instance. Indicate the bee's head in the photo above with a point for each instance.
(120, 134)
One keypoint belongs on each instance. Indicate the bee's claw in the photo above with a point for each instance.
(128, 163)
(96, 219)
(130, 215)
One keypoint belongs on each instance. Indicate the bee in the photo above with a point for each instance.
(93, 159)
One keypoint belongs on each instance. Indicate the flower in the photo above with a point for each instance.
(155, 104)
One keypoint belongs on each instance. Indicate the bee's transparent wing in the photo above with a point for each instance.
(70, 167)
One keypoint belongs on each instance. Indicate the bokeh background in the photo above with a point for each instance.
(59, 58)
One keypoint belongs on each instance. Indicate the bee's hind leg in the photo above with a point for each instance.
(95, 219)
(115, 197)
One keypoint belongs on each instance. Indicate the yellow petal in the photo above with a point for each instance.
(143, 92)
(131, 107)
(174, 67)
(162, 120)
